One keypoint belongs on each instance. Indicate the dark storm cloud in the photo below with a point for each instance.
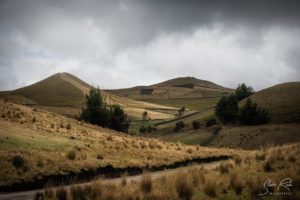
(126, 38)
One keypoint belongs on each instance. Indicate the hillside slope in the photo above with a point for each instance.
(65, 93)
(50, 144)
(191, 92)
(281, 100)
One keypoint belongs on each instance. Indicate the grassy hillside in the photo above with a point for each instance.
(189, 91)
(52, 144)
(64, 93)
(281, 100)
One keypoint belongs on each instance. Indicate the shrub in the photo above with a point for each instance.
(99, 157)
(196, 124)
(179, 125)
(250, 114)
(61, 193)
(68, 126)
(292, 159)
(210, 122)
(227, 109)
(151, 128)
(146, 183)
(18, 161)
(142, 129)
(71, 155)
(33, 119)
(216, 130)
(184, 187)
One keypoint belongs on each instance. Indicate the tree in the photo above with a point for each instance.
(145, 116)
(180, 112)
(118, 119)
(227, 109)
(251, 114)
(95, 111)
(242, 91)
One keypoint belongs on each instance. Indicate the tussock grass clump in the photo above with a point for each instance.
(61, 193)
(184, 187)
(210, 187)
(18, 161)
(99, 157)
(225, 167)
(97, 190)
(71, 155)
(146, 183)
(254, 186)
(237, 160)
(236, 183)
(49, 193)
(33, 120)
(68, 127)
(292, 159)
(268, 166)
(260, 156)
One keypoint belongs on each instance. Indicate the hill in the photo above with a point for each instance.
(35, 144)
(191, 92)
(65, 93)
(281, 100)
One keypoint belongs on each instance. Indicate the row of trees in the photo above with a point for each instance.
(99, 113)
(228, 111)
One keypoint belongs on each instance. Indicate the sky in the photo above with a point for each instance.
(124, 43)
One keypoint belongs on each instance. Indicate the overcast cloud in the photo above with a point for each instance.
(117, 44)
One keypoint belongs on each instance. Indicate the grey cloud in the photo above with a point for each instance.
(102, 41)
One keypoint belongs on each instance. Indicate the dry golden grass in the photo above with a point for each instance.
(53, 144)
(245, 181)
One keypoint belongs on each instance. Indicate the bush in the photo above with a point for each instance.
(250, 114)
(142, 129)
(33, 119)
(18, 161)
(227, 109)
(71, 155)
(242, 91)
(184, 187)
(211, 122)
(146, 183)
(68, 126)
(216, 130)
(179, 125)
(99, 157)
(196, 124)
